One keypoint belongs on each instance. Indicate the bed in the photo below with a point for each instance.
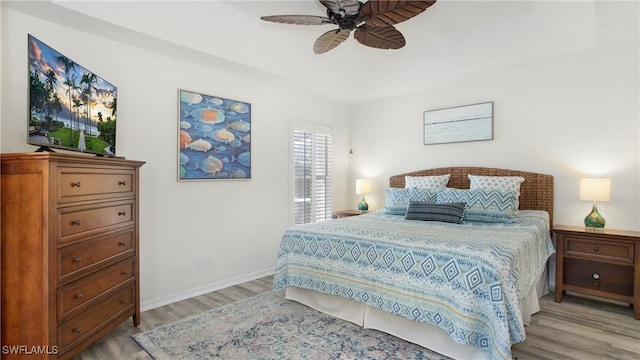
(463, 290)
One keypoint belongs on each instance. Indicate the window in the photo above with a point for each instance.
(312, 173)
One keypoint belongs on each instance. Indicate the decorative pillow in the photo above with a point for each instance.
(426, 182)
(451, 212)
(482, 205)
(398, 199)
(502, 183)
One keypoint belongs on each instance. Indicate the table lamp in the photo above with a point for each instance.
(595, 189)
(363, 187)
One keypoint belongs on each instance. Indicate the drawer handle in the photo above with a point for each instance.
(77, 330)
(77, 260)
(122, 243)
(125, 273)
(121, 182)
(122, 213)
(596, 249)
(595, 276)
(123, 302)
(75, 222)
(79, 295)
(75, 184)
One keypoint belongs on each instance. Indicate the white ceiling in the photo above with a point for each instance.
(449, 41)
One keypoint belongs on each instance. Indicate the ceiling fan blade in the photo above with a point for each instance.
(386, 37)
(350, 7)
(298, 19)
(330, 40)
(389, 12)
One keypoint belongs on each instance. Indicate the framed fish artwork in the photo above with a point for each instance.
(214, 140)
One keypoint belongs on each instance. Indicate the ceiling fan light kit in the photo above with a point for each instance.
(372, 21)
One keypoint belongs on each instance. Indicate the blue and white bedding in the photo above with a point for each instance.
(467, 279)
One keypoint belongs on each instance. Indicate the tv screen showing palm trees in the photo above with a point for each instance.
(69, 106)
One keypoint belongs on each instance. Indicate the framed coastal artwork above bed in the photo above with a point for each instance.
(214, 140)
(459, 124)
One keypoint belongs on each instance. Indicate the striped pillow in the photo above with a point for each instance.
(451, 212)
(482, 205)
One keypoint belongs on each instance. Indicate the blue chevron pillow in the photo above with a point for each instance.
(482, 204)
(398, 199)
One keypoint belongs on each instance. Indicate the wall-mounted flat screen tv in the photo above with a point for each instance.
(70, 107)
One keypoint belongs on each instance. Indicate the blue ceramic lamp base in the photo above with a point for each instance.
(363, 206)
(594, 219)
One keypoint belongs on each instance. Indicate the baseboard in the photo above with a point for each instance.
(169, 299)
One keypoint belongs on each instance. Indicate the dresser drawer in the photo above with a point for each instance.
(77, 184)
(71, 297)
(611, 278)
(89, 322)
(90, 254)
(599, 250)
(87, 220)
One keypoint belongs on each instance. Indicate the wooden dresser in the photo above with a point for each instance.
(69, 254)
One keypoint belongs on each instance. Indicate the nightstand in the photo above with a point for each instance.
(347, 213)
(603, 263)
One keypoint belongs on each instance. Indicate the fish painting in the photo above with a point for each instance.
(190, 98)
(199, 145)
(214, 137)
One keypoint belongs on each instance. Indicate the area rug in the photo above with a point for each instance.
(267, 326)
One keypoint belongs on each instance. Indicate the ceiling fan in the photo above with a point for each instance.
(372, 21)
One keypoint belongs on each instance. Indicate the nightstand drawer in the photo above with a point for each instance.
(611, 278)
(599, 250)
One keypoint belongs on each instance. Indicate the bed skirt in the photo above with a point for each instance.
(423, 334)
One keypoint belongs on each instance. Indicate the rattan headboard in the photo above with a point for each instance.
(536, 192)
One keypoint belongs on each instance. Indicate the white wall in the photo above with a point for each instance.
(569, 116)
(239, 223)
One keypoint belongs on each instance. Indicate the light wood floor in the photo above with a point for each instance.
(576, 328)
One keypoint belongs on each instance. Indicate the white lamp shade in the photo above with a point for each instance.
(363, 186)
(595, 189)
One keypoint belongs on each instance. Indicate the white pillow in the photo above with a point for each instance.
(502, 183)
(426, 182)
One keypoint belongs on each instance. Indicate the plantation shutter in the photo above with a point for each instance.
(312, 174)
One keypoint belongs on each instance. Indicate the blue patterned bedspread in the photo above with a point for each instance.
(467, 279)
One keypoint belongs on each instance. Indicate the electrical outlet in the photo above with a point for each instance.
(209, 260)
